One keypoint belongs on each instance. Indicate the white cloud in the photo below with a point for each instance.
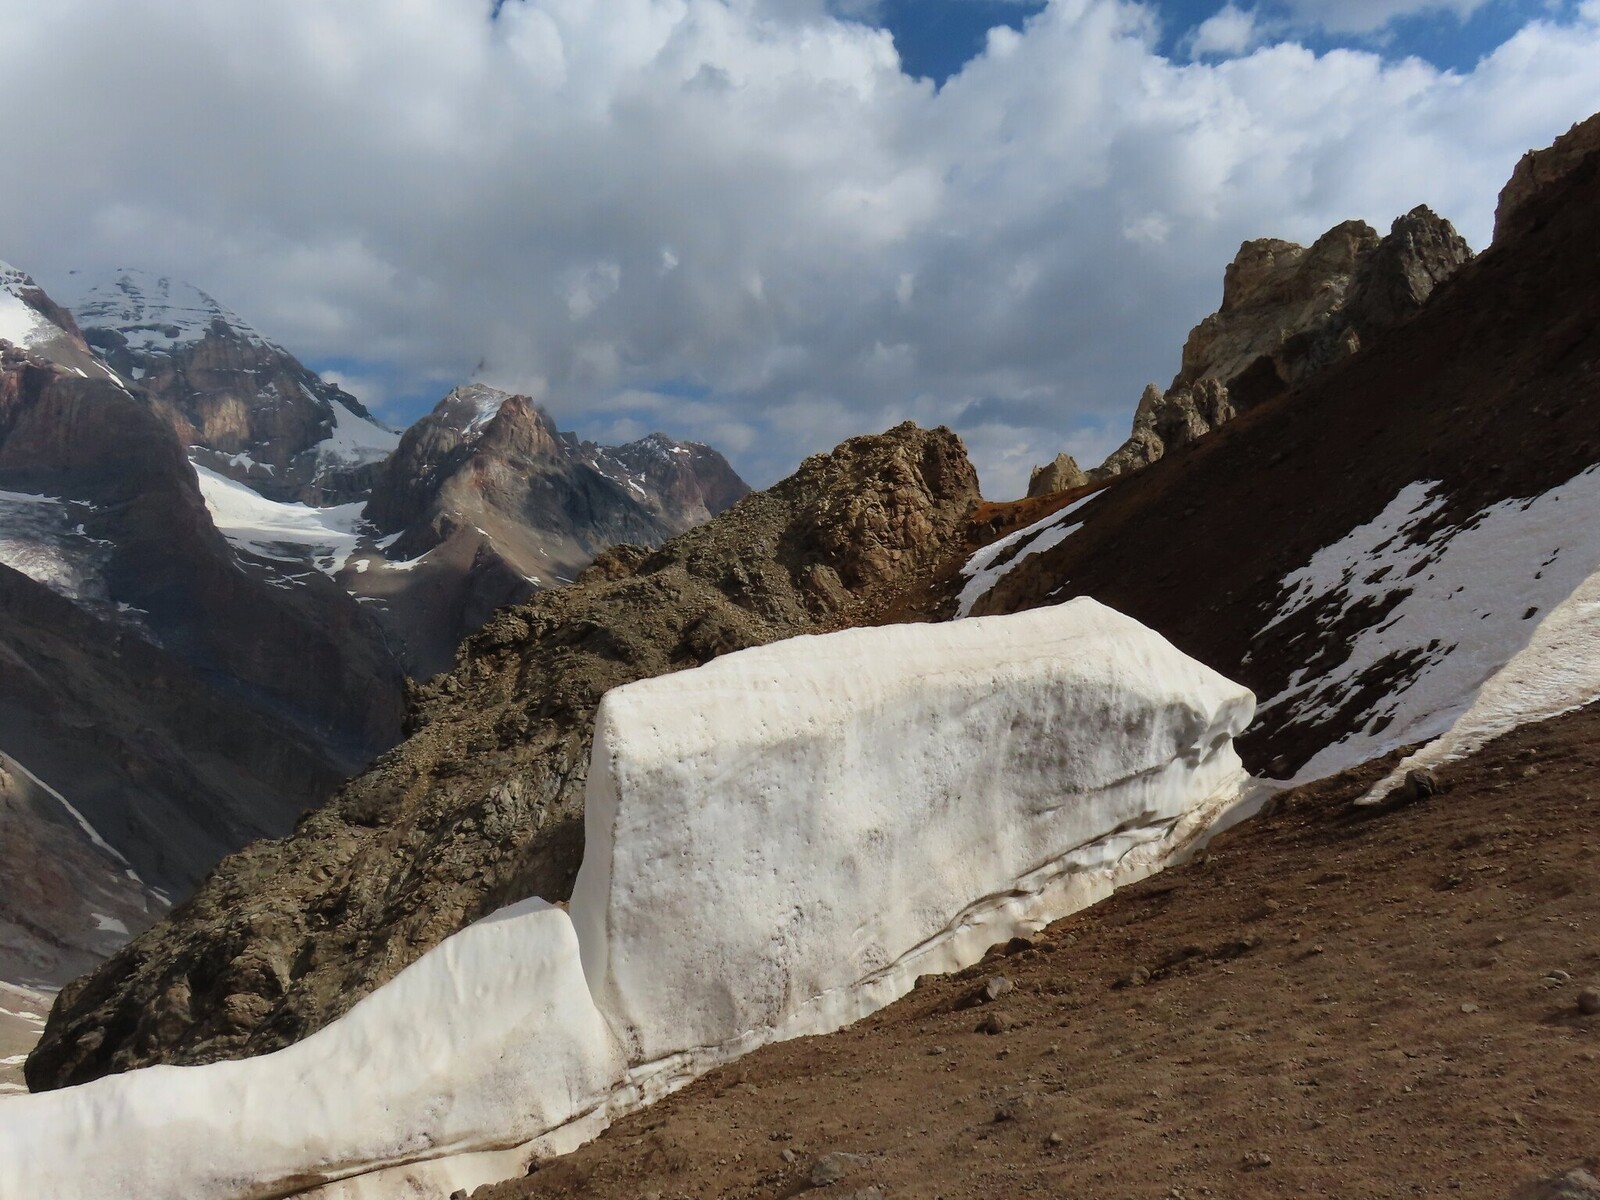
(1368, 16)
(1228, 31)
(742, 200)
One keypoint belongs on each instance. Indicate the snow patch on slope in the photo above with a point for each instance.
(995, 561)
(355, 440)
(756, 867)
(20, 324)
(1464, 598)
(292, 533)
(1556, 672)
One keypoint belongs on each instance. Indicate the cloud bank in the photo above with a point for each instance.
(736, 220)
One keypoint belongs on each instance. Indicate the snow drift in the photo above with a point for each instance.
(778, 843)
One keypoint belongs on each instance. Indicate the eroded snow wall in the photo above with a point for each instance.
(490, 1039)
(778, 843)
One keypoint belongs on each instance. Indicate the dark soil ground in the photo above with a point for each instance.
(1324, 1004)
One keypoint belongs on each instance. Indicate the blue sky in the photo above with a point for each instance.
(936, 38)
(764, 224)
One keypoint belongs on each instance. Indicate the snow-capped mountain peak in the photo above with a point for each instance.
(155, 312)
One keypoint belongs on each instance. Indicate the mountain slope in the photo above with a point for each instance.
(1362, 550)
(247, 407)
(483, 503)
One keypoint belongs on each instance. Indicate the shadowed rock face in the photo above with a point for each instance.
(1289, 312)
(302, 671)
(482, 804)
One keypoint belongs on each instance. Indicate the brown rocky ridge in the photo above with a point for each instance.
(1288, 312)
(481, 805)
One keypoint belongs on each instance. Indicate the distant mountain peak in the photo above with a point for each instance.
(156, 313)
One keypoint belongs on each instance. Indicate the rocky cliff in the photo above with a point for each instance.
(1538, 174)
(1288, 312)
(481, 805)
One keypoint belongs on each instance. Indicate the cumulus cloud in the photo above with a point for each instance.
(736, 220)
(1368, 16)
(1228, 31)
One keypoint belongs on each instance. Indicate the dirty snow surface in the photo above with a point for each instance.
(287, 533)
(1459, 601)
(756, 867)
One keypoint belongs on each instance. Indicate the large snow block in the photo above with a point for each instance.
(490, 1039)
(771, 833)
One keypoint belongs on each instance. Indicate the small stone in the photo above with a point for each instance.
(996, 986)
(1054, 1140)
(459, 1194)
(1138, 977)
(1018, 944)
(1589, 1002)
(1255, 1160)
(1469, 1007)
(827, 1169)
(1419, 785)
(831, 1168)
(1004, 1113)
(994, 1023)
(935, 1051)
(1558, 977)
(788, 1155)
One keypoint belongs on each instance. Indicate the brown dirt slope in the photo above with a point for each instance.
(482, 804)
(1492, 389)
(1323, 1004)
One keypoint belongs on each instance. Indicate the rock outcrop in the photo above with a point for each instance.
(1538, 172)
(481, 805)
(1289, 312)
(1060, 475)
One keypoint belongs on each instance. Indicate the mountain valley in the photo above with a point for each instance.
(334, 690)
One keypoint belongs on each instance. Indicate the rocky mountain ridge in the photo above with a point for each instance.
(1288, 312)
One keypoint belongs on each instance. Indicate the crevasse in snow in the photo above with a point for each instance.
(777, 843)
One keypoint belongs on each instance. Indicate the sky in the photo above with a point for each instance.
(764, 224)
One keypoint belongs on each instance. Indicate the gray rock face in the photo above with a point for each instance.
(482, 804)
(1289, 312)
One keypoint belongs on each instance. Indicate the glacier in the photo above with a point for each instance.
(778, 843)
